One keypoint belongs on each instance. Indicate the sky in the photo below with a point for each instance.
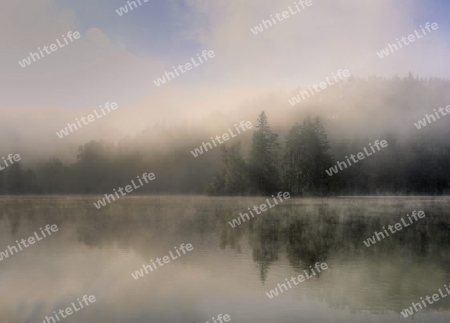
(118, 57)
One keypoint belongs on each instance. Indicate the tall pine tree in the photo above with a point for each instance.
(264, 157)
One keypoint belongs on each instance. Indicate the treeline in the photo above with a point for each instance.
(297, 166)
(291, 155)
(295, 163)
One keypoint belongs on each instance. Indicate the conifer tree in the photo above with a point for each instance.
(306, 158)
(264, 157)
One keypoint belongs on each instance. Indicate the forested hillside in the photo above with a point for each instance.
(274, 156)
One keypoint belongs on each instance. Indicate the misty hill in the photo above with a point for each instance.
(353, 115)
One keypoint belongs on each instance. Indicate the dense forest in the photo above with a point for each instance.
(286, 157)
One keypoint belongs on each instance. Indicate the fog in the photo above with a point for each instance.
(117, 61)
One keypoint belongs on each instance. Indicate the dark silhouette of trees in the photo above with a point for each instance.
(15, 179)
(293, 157)
(264, 157)
(54, 177)
(19, 181)
(2, 183)
(306, 157)
(233, 177)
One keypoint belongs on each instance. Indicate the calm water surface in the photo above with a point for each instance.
(230, 269)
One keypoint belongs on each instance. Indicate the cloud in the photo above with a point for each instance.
(89, 70)
(99, 39)
(42, 98)
(328, 35)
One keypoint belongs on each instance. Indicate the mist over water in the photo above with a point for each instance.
(230, 269)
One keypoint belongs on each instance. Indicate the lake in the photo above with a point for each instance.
(228, 270)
